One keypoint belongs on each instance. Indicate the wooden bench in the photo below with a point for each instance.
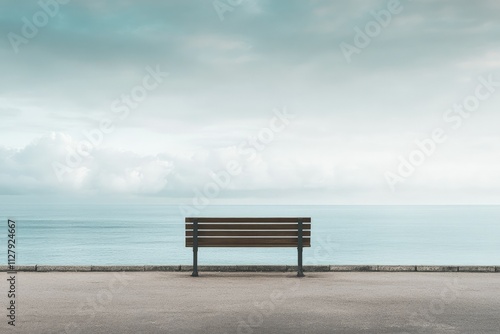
(248, 232)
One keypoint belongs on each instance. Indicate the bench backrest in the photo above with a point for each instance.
(248, 232)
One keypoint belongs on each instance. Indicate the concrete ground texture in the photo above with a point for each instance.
(230, 302)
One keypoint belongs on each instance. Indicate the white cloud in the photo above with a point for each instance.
(30, 169)
(340, 172)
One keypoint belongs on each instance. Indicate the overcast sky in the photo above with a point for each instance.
(285, 101)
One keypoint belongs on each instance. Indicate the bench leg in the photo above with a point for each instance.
(195, 262)
(300, 271)
(195, 249)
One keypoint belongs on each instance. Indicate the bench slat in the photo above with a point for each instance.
(248, 242)
(248, 220)
(228, 226)
(221, 233)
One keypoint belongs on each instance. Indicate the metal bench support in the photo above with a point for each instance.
(195, 249)
(300, 271)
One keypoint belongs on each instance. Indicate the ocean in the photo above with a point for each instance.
(154, 234)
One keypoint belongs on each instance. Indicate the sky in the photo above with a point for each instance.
(251, 102)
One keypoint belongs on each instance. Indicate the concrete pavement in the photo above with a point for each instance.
(332, 302)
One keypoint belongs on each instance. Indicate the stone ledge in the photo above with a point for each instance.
(63, 268)
(476, 269)
(437, 268)
(250, 268)
(309, 268)
(26, 268)
(396, 268)
(162, 268)
(257, 268)
(117, 268)
(18, 268)
(354, 268)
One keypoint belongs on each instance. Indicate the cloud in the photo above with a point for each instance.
(340, 173)
(31, 169)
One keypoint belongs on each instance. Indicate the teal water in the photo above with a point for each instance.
(154, 234)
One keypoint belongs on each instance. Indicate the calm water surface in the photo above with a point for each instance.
(154, 234)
